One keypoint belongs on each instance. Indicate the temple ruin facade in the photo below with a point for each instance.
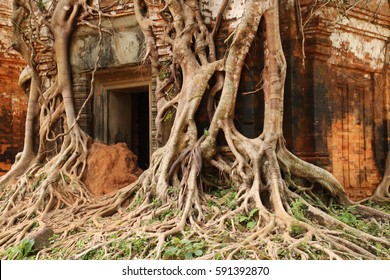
(337, 99)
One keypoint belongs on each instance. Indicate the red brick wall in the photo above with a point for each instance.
(355, 140)
(337, 106)
(13, 102)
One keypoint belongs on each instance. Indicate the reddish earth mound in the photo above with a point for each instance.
(110, 168)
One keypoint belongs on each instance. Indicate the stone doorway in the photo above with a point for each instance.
(123, 110)
(128, 121)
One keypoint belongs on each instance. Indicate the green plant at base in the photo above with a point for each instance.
(41, 5)
(139, 244)
(298, 209)
(156, 202)
(130, 248)
(136, 202)
(296, 230)
(21, 251)
(176, 249)
(164, 73)
(211, 203)
(95, 254)
(53, 238)
(80, 244)
(171, 190)
(166, 215)
(218, 256)
(385, 206)
(248, 221)
(230, 200)
(351, 217)
(168, 115)
(67, 179)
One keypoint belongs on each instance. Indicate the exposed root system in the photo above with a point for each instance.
(202, 197)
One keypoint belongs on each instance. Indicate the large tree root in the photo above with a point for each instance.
(45, 189)
(49, 177)
(214, 217)
(278, 220)
(382, 193)
(250, 198)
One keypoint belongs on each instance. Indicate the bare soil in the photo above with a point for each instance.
(110, 168)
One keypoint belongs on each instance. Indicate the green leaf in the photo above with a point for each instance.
(188, 255)
(242, 218)
(231, 205)
(251, 224)
(27, 245)
(199, 253)
(185, 241)
(254, 211)
(198, 245)
(171, 251)
(14, 253)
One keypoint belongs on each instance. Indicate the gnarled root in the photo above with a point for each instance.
(382, 193)
(262, 215)
(45, 189)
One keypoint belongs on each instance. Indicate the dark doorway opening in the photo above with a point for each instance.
(249, 113)
(128, 121)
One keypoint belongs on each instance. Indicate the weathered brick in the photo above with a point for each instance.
(13, 101)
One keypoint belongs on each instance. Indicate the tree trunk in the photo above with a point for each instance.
(239, 197)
